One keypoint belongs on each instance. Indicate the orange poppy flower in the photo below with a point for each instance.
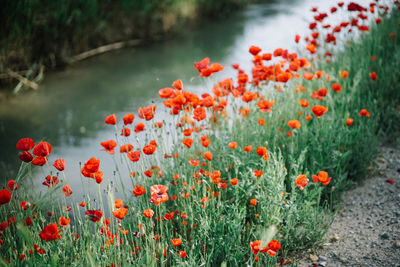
(319, 110)
(208, 155)
(176, 242)
(67, 190)
(188, 142)
(118, 203)
(62, 221)
(126, 148)
(134, 155)
(139, 127)
(301, 181)
(349, 121)
(50, 232)
(128, 118)
(364, 112)
(147, 112)
(258, 173)
(322, 177)
(304, 103)
(148, 213)
(248, 148)
(82, 204)
(308, 76)
(232, 145)
(265, 105)
(199, 113)
(188, 132)
(109, 146)
(111, 119)
(294, 124)
(253, 202)
(120, 213)
(178, 84)
(308, 118)
(261, 151)
(344, 74)
(159, 194)
(234, 181)
(138, 190)
(59, 164)
(254, 50)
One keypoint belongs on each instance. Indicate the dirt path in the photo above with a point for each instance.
(366, 230)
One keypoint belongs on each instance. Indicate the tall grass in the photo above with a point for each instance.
(215, 216)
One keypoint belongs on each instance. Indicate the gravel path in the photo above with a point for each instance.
(366, 230)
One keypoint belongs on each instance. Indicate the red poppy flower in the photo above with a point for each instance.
(5, 196)
(274, 245)
(149, 149)
(12, 185)
(109, 146)
(134, 155)
(304, 103)
(120, 213)
(39, 161)
(254, 50)
(26, 156)
(147, 112)
(233, 145)
(59, 164)
(67, 190)
(51, 181)
(138, 190)
(248, 148)
(203, 64)
(182, 254)
(349, 121)
(148, 173)
(82, 204)
(128, 118)
(159, 194)
(25, 205)
(25, 144)
(90, 167)
(373, 76)
(319, 110)
(125, 132)
(94, 215)
(111, 119)
(364, 112)
(42, 149)
(50, 232)
(336, 87)
(199, 113)
(253, 202)
(301, 181)
(258, 173)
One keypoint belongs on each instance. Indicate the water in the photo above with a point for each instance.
(69, 108)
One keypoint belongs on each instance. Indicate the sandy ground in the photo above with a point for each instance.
(366, 230)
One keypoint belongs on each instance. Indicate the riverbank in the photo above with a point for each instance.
(43, 35)
(366, 229)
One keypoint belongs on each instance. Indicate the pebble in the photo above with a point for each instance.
(384, 236)
(313, 258)
(323, 258)
(397, 244)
